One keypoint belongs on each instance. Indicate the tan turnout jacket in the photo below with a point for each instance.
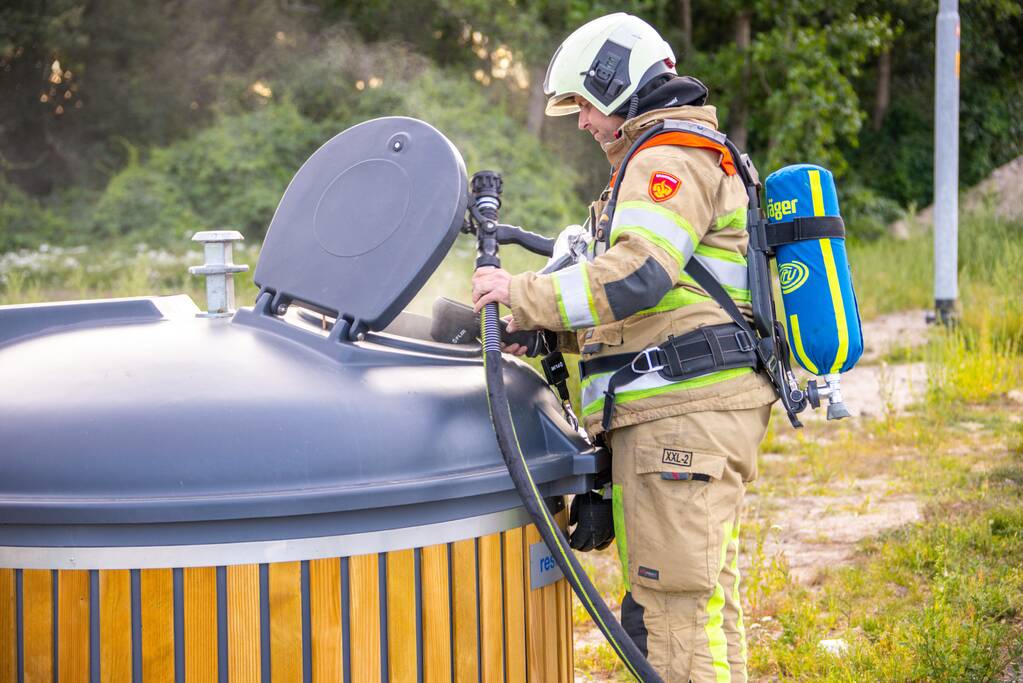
(675, 203)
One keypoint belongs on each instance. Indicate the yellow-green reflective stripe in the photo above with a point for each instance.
(676, 298)
(681, 257)
(797, 342)
(716, 640)
(736, 598)
(732, 219)
(597, 404)
(589, 300)
(618, 515)
(740, 295)
(574, 297)
(561, 303)
(723, 254)
(664, 228)
(836, 300)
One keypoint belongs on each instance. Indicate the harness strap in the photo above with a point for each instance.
(687, 134)
(702, 351)
(806, 228)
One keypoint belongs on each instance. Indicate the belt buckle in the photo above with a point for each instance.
(745, 342)
(648, 355)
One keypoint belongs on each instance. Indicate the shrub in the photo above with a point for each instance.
(24, 221)
(144, 205)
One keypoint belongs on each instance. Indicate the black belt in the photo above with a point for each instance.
(704, 350)
(806, 228)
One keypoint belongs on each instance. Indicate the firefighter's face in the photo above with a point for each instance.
(601, 126)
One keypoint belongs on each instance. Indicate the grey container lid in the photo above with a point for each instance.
(365, 222)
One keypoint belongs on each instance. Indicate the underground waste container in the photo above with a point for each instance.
(304, 490)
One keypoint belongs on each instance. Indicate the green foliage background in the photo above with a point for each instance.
(146, 121)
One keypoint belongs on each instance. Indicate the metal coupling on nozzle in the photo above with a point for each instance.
(219, 271)
(832, 390)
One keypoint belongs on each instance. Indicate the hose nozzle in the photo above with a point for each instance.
(485, 187)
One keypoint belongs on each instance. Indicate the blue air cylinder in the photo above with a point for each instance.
(821, 314)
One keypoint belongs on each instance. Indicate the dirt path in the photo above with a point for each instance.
(815, 532)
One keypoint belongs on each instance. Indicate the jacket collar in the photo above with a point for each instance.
(634, 127)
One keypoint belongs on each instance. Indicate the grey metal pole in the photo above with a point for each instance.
(946, 161)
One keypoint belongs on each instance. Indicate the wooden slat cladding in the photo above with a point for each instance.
(364, 597)
(536, 639)
(202, 658)
(73, 626)
(37, 602)
(8, 626)
(286, 622)
(401, 616)
(514, 607)
(463, 611)
(115, 625)
(465, 601)
(325, 609)
(436, 614)
(243, 640)
(158, 625)
(491, 608)
(566, 640)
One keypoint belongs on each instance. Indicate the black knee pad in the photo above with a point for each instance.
(632, 621)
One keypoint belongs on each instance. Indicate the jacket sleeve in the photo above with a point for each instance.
(655, 230)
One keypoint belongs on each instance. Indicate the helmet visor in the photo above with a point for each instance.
(562, 105)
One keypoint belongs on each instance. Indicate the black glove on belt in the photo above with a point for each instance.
(594, 522)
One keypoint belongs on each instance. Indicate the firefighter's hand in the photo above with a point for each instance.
(593, 520)
(491, 285)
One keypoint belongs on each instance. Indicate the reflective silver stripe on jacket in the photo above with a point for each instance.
(657, 223)
(576, 300)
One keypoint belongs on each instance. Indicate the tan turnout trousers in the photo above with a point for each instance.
(678, 489)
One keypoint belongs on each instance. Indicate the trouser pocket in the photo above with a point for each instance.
(674, 537)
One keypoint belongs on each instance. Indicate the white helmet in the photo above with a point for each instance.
(605, 61)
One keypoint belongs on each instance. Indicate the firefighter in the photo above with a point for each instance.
(683, 445)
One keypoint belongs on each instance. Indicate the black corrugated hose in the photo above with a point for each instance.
(486, 188)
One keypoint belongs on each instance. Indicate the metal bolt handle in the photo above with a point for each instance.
(219, 270)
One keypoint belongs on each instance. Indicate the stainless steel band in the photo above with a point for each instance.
(288, 550)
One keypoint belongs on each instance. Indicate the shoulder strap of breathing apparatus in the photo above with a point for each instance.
(771, 346)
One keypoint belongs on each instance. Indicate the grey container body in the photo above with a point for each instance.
(147, 426)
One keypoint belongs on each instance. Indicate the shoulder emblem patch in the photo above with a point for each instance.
(663, 186)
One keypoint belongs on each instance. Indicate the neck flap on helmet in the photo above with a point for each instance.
(663, 93)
